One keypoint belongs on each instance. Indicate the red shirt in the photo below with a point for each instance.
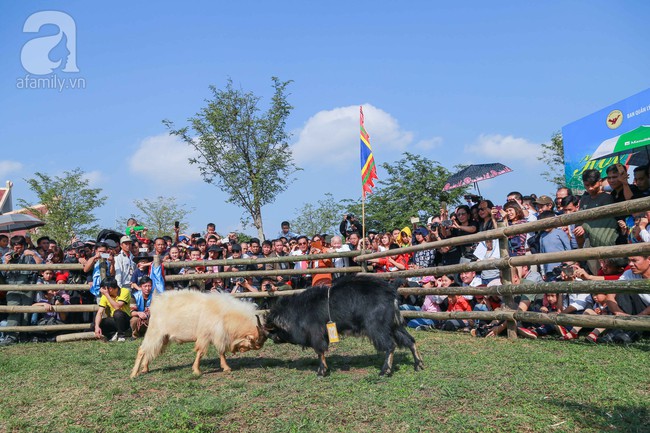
(460, 304)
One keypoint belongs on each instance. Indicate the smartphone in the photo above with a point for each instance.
(318, 245)
(105, 255)
(497, 207)
(415, 220)
(143, 250)
(177, 224)
(443, 205)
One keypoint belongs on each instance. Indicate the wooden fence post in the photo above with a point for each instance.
(506, 278)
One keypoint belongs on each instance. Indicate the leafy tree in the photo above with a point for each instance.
(245, 153)
(553, 157)
(70, 205)
(159, 215)
(413, 188)
(321, 218)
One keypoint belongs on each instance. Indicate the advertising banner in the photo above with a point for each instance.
(617, 133)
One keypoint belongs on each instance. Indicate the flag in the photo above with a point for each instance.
(368, 169)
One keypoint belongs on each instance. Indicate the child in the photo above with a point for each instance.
(456, 303)
(549, 303)
(599, 307)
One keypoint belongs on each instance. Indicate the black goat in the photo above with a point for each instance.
(359, 305)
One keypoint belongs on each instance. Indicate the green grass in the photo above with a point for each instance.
(469, 385)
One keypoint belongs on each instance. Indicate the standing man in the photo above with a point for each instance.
(124, 263)
(621, 190)
(18, 255)
(641, 180)
(278, 251)
(304, 280)
(160, 247)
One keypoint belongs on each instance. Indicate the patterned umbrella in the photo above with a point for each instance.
(18, 221)
(475, 173)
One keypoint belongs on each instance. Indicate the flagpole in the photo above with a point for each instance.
(363, 216)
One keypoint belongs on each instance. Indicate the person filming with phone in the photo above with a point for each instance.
(458, 224)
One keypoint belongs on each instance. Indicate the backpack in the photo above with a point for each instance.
(534, 243)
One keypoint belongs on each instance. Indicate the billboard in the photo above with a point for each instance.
(617, 133)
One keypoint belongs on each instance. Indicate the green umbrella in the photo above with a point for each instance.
(631, 141)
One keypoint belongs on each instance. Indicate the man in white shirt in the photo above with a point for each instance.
(124, 263)
(625, 304)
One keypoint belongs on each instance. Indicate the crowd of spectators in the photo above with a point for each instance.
(118, 267)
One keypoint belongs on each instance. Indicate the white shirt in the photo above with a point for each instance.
(629, 275)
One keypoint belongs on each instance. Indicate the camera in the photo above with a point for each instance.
(59, 299)
(434, 226)
(14, 257)
(568, 270)
(239, 280)
(268, 287)
(446, 223)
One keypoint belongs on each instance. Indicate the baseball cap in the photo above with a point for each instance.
(125, 239)
(544, 199)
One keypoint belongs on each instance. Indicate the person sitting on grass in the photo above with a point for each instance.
(115, 302)
(456, 303)
(597, 307)
(140, 303)
(431, 305)
(549, 303)
(49, 299)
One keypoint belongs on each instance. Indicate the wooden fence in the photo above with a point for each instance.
(504, 264)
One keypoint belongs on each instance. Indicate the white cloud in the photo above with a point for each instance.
(332, 136)
(430, 144)
(163, 159)
(8, 167)
(94, 178)
(504, 148)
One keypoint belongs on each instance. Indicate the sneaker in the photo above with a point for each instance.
(120, 339)
(526, 333)
(622, 338)
(423, 328)
(114, 338)
(607, 338)
(592, 338)
(8, 341)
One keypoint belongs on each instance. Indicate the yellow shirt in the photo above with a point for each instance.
(124, 295)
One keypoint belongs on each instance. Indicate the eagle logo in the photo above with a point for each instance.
(614, 119)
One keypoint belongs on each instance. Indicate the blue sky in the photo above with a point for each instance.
(458, 82)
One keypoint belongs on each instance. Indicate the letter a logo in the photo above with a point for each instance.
(36, 53)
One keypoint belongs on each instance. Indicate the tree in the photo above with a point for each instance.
(246, 154)
(69, 203)
(553, 157)
(413, 188)
(322, 218)
(159, 215)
